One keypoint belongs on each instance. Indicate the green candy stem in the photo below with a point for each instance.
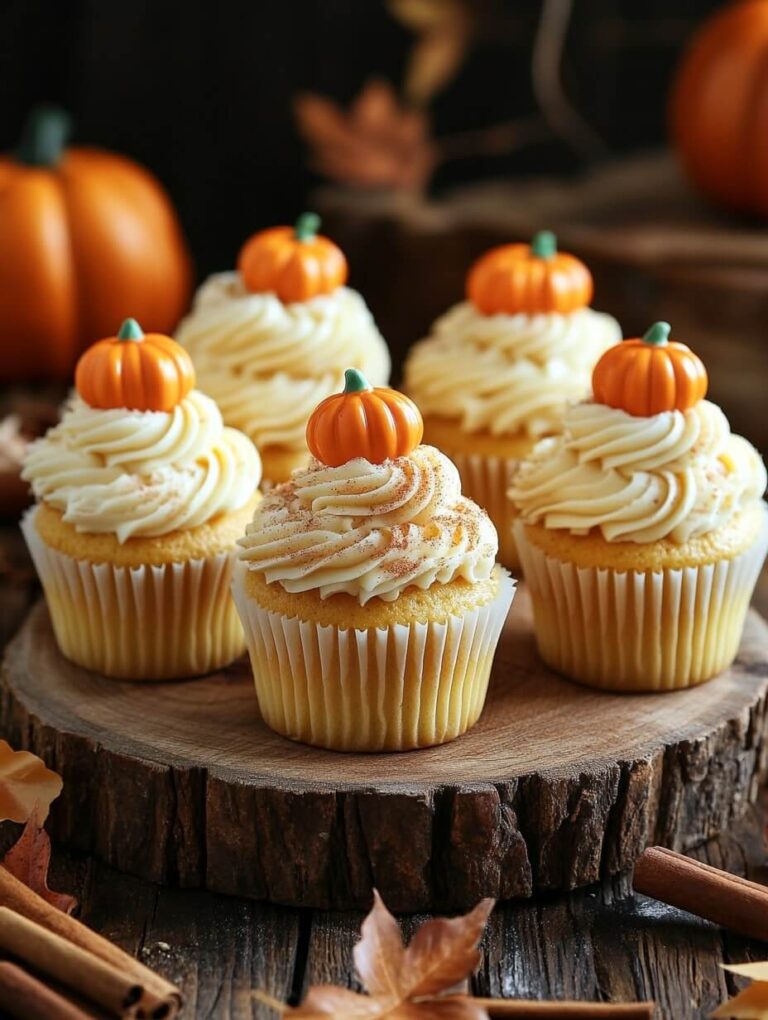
(307, 226)
(355, 382)
(544, 244)
(658, 334)
(44, 137)
(130, 330)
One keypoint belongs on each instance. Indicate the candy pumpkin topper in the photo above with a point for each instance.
(135, 370)
(650, 374)
(296, 263)
(362, 421)
(529, 278)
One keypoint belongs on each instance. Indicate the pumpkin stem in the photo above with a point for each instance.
(355, 382)
(658, 334)
(307, 226)
(130, 330)
(44, 137)
(544, 244)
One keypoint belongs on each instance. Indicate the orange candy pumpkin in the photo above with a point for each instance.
(719, 107)
(649, 375)
(377, 424)
(135, 370)
(296, 263)
(529, 278)
(85, 237)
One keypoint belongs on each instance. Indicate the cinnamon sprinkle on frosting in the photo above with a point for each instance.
(371, 529)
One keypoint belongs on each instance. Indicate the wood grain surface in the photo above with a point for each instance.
(556, 787)
(597, 944)
(600, 944)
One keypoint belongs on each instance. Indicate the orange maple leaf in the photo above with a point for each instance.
(26, 785)
(377, 143)
(404, 983)
(29, 859)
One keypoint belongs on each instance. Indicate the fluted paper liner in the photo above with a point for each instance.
(640, 630)
(380, 689)
(486, 479)
(139, 623)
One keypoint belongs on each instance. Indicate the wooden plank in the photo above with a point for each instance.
(332, 938)
(220, 949)
(537, 951)
(216, 948)
(599, 944)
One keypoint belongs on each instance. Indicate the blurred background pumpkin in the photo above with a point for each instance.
(719, 109)
(87, 237)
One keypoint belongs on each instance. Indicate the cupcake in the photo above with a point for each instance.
(142, 493)
(496, 372)
(641, 526)
(367, 585)
(273, 339)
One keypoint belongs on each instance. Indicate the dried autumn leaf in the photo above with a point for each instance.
(26, 784)
(380, 954)
(444, 29)
(444, 951)
(377, 143)
(404, 983)
(752, 1002)
(29, 859)
(441, 953)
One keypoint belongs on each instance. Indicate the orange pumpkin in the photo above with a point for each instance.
(649, 375)
(361, 421)
(296, 263)
(135, 370)
(719, 107)
(85, 237)
(529, 278)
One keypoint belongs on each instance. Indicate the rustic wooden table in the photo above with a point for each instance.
(598, 944)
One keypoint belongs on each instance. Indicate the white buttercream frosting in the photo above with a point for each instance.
(143, 473)
(507, 373)
(371, 529)
(674, 475)
(268, 364)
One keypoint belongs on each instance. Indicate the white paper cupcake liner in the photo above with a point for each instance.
(140, 623)
(486, 480)
(380, 689)
(652, 630)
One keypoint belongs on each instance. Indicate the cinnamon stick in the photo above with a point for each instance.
(55, 957)
(161, 998)
(23, 996)
(536, 1009)
(708, 892)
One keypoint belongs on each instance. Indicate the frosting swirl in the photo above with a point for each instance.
(143, 473)
(674, 475)
(268, 364)
(371, 530)
(507, 373)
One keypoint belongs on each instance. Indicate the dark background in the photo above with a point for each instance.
(201, 92)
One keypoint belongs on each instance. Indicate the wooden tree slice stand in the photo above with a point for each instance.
(556, 786)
